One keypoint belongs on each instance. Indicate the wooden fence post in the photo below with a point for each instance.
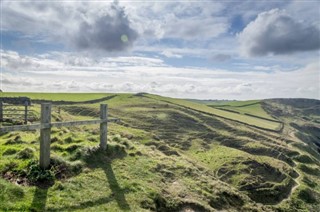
(25, 112)
(103, 126)
(1, 111)
(45, 135)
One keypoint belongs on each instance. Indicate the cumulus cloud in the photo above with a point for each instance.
(89, 26)
(112, 26)
(179, 20)
(110, 32)
(276, 32)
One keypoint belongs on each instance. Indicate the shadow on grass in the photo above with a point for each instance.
(103, 160)
(117, 191)
(39, 199)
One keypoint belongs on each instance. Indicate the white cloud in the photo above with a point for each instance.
(276, 32)
(83, 25)
(170, 54)
(198, 30)
(135, 75)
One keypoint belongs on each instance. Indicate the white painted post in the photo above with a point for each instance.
(103, 126)
(45, 136)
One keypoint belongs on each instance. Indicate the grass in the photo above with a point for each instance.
(261, 123)
(241, 103)
(76, 97)
(164, 155)
(253, 108)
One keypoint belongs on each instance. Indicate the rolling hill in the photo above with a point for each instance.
(167, 154)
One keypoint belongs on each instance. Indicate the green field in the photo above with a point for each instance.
(165, 154)
(245, 107)
(76, 97)
(254, 121)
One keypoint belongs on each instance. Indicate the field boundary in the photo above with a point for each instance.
(62, 102)
(279, 129)
(46, 125)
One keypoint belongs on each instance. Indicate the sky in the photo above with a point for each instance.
(245, 49)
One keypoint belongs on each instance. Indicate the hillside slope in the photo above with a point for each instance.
(167, 155)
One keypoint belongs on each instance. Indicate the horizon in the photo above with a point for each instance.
(133, 93)
(191, 50)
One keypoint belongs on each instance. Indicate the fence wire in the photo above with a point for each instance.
(15, 114)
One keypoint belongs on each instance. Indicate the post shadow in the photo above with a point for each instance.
(39, 199)
(100, 159)
(103, 159)
(117, 191)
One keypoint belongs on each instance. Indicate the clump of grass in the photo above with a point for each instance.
(226, 199)
(10, 166)
(16, 140)
(69, 139)
(115, 150)
(35, 174)
(9, 151)
(117, 138)
(92, 139)
(64, 169)
(126, 135)
(126, 143)
(58, 186)
(309, 182)
(26, 153)
(307, 196)
(309, 170)
(58, 169)
(304, 159)
(83, 153)
(57, 147)
(56, 139)
(72, 147)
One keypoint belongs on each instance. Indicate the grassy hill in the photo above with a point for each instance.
(166, 155)
(251, 108)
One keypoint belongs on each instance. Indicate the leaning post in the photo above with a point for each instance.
(45, 135)
(103, 126)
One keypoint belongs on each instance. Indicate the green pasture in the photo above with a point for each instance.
(270, 125)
